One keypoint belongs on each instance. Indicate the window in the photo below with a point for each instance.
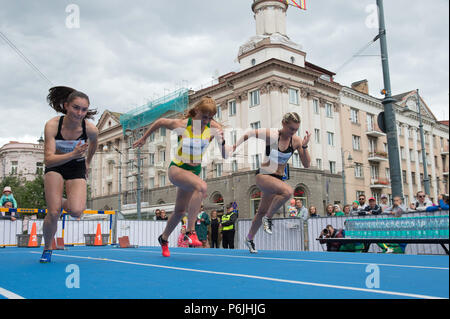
(233, 136)
(358, 170)
(151, 182)
(254, 98)
(316, 106)
(131, 165)
(359, 193)
(151, 159)
(296, 160)
(292, 59)
(255, 125)
(293, 96)
(39, 168)
(332, 167)
(218, 115)
(330, 136)
(162, 180)
(372, 145)
(413, 178)
(412, 158)
(387, 173)
(234, 166)
(256, 161)
(162, 131)
(374, 171)
(404, 177)
(151, 137)
(253, 62)
(329, 109)
(419, 154)
(402, 153)
(232, 108)
(319, 163)
(369, 119)
(317, 135)
(162, 156)
(356, 140)
(354, 115)
(218, 170)
(203, 173)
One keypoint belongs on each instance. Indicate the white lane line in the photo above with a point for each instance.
(9, 294)
(295, 260)
(385, 292)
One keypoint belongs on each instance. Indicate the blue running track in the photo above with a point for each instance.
(113, 273)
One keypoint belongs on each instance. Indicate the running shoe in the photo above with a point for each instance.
(46, 257)
(165, 246)
(192, 238)
(251, 246)
(267, 223)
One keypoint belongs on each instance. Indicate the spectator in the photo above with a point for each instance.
(397, 208)
(338, 211)
(443, 204)
(9, 215)
(228, 229)
(384, 202)
(157, 214)
(163, 215)
(355, 208)
(347, 210)
(362, 202)
(421, 203)
(182, 239)
(8, 197)
(214, 233)
(330, 232)
(313, 212)
(292, 210)
(302, 211)
(329, 211)
(201, 227)
(373, 208)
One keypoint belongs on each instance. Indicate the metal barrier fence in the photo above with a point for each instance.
(316, 225)
(288, 234)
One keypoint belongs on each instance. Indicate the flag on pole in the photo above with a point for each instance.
(301, 4)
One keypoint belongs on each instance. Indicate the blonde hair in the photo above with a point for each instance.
(291, 116)
(206, 105)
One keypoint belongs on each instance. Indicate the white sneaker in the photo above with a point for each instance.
(267, 223)
(251, 246)
(389, 251)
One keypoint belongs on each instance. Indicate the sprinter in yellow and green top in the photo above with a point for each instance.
(195, 132)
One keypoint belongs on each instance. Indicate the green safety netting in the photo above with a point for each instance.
(177, 101)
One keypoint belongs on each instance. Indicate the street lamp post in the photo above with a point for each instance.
(426, 180)
(119, 209)
(136, 135)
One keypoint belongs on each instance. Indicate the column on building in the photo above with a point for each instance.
(408, 164)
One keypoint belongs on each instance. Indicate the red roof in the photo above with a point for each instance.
(444, 122)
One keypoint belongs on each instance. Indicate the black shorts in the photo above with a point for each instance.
(273, 175)
(71, 170)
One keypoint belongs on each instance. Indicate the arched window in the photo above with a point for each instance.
(255, 200)
(217, 200)
(300, 193)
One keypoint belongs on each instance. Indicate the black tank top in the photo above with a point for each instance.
(280, 157)
(66, 146)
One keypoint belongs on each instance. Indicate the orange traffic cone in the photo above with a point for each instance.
(98, 236)
(32, 242)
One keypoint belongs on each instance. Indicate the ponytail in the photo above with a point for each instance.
(59, 95)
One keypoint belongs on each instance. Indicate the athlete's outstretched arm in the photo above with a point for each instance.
(170, 124)
(217, 132)
(263, 134)
(303, 151)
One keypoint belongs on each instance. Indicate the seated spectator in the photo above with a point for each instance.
(302, 211)
(397, 208)
(313, 212)
(329, 211)
(362, 202)
(8, 197)
(384, 202)
(443, 204)
(9, 215)
(373, 208)
(421, 203)
(292, 210)
(338, 211)
(347, 210)
(355, 208)
(163, 215)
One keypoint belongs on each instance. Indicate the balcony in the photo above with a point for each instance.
(379, 183)
(444, 150)
(159, 166)
(378, 156)
(160, 142)
(374, 131)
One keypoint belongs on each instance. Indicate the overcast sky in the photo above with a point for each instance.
(124, 53)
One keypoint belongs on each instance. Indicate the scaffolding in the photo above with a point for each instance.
(178, 101)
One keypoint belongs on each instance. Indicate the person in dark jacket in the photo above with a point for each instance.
(373, 208)
(214, 233)
(228, 227)
(330, 232)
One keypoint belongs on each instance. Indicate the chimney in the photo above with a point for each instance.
(361, 86)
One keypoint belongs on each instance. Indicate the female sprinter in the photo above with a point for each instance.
(195, 132)
(67, 139)
(280, 145)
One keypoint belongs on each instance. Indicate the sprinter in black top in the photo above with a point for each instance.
(280, 146)
(70, 144)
